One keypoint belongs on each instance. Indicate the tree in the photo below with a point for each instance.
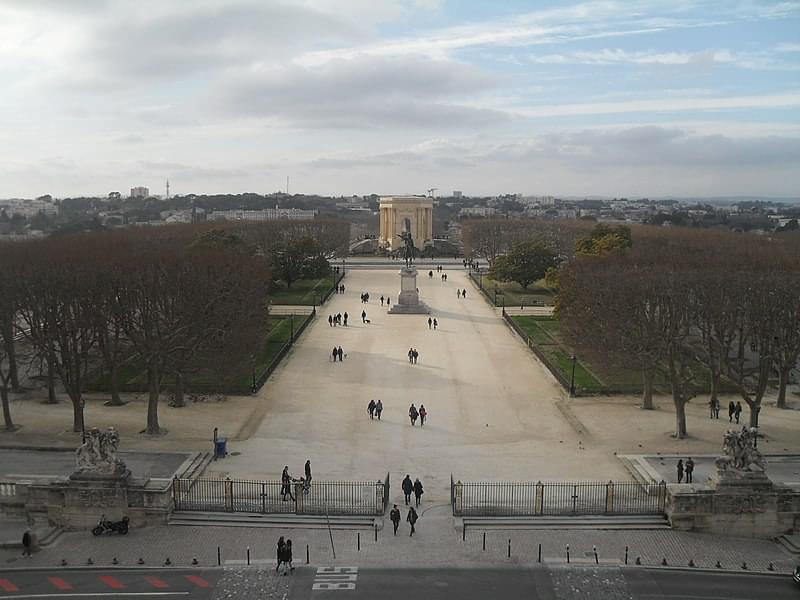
(605, 239)
(526, 262)
(10, 259)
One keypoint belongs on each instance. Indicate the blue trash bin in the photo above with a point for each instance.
(221, 448)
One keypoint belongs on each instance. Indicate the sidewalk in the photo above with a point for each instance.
(437, 543)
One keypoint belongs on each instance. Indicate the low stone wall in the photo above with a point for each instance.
(764, 512)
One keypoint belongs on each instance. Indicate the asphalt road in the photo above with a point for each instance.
(194, 584)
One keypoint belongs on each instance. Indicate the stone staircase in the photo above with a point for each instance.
(790, 543)
(197, 466)
(283, 521)
(600, 522)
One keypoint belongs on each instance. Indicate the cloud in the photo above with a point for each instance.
(365, 91)
(168, 168)
(129, 139)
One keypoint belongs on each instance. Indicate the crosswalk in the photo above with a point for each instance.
(12, 584)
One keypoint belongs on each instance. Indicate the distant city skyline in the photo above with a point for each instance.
(611, 98)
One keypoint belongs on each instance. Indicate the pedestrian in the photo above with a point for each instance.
(344, 316)
(422, 415)
(442, 277)
(738, 412)
(394, 515)
(458, 293)
(464, 293)
(287, 554)
(335, 353)
(27, 543)
(415, 356)
(408, 487)
(711, 405)
(689, 469)
(342, 288)
(378, 409)
(680, 470)
(286, 483)
(716, 409)
(388, 301)
(363, 316)
(411, 355)
(281, 554)
(445, 277)
(381, 300)
(413, 413)
(418, 491)
(430, 322)
(308, 471)
(435, 324)
(340, 353)
(412, 519)
(339, 318)
(731, 411)
(430, 274)
(371, 409)
(330, 320)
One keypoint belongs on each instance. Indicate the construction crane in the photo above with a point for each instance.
(430, 191)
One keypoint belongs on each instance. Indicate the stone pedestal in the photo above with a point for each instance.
(408, 302)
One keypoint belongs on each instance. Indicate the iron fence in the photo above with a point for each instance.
(528, 499)
(253, 496)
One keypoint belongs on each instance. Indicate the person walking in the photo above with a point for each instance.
(430, 274)
(281, 554)
(363, 316)
(371, 409)
(680, 470)
(412, 519)
(378, 409)
(430, 322)
(286, 483)
(458, 293)
(381, 299)
(411, 355)
(418, 491)
(408, 487)
(464, 293)
(738, 411)
(27, 543)
(711, 405)
(340, 353)
(330, 320)
(422, 415)
(415, 356)
(435, 324)
(394, 515)
(308, 472)
(345, 319)
(689, 469)
(413, 413)
(388, 301)
(335, 353)
(731, 411)
(287, 554)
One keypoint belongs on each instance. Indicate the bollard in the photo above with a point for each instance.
(64, 562)
(167, 562)
(770, 567)
(509, 548)
(219, 557)
(596, 560)
(744, 566)
(90, 561)
(638, 560)
(376, 532)
(626, 555)
(114, 561)
(464, 532)
(358, 541)
(567, 553)
(248, 556)
(718, 565)
(484, 541)
(540, 553)
(664, 562)
(308, 559)
(140, 561)
(691, 562)
(195, 562)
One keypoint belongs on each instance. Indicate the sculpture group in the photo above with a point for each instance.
(98, 453)
(740, 453)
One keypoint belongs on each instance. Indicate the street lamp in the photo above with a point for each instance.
(291, 325)
(253, 386)
(83, 421)
(572, 380)
(480, 283)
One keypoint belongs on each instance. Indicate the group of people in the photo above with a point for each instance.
(686, 469)
(413, 355)
(388, 301)
(461, 293)
(415, 414)
(284, 555)
(338, 353)
(287, 480)
(337, 319)
(430, 275)
(734, 410)
(432, 322)
(411, 518)
(364, 297)
(339, 289)
(375, 409)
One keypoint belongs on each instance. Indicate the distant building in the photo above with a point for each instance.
(477, 211)
(267, 214)
(409, 214)
(458, 194)
(28, 208)
(140, 192)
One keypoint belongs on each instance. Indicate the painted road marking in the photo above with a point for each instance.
(335, 578)
(197, 580)
(60, 583)
(156, 582)
(97, 595)
(112, 582)
(8, 586)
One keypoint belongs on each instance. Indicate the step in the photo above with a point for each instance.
(790, 542)
(197, 466)
(287, 521)
(641, 522)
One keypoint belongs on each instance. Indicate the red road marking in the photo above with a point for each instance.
(112, 582)
(156, 582)
(8, 586)
(60, 583)
(198, 581)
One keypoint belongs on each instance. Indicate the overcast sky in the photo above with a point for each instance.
(397, 96)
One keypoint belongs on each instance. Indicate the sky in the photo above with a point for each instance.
(615, 98)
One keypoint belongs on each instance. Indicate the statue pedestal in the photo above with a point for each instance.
(408, 302)
(733, 479)
(89, 495)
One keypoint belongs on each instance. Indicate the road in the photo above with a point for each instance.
(194, 584)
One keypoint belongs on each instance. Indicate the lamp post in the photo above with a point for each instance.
(253, 386)
(480, 282)
(572, 380)
(291, 325)
(83, 421)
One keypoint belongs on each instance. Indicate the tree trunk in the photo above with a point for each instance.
(715, 375)
(680, 417)
(178, 402)
(783, 381)
(113, 384)
(11, 354)
(755, 409)
(77, 414)
(51, 381)
(154, 385)
(647, 389)
(6, 408)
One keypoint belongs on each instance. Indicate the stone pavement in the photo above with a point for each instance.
(782, 469)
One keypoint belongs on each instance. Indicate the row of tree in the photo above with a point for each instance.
(158, 298)
(697, 310)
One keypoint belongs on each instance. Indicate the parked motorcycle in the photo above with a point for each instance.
(105, 525)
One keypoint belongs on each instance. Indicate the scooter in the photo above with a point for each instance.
(104, 525)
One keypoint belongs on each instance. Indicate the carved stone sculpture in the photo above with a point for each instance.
(98, 453)
(741, 462)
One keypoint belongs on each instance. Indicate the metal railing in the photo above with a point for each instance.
(253, 496)
(530, 499)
